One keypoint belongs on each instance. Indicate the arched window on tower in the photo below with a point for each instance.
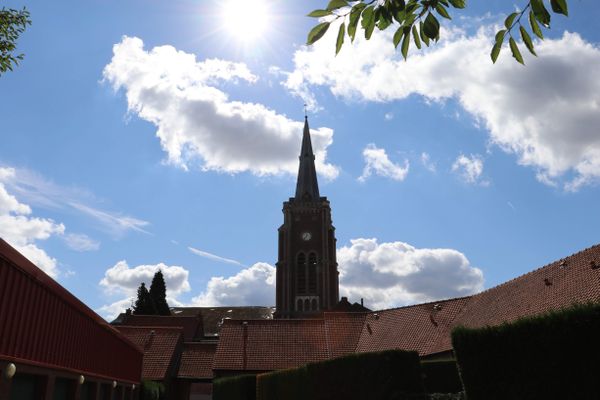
(312, 273)
(314, 305)
(306, 305)
(301, 273)
(299, 305)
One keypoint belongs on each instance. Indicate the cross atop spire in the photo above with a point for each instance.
(307, 187)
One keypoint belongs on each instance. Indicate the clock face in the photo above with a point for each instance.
(306, 236)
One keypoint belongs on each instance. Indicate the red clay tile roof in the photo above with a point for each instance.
(266, 345)
(212, 317)
(574, 279)
(191, 325)
(423, 327)
(197, 360)
(343, 331)
(160, 345)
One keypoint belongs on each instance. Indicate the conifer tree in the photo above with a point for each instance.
(143, 304)
(158, 294)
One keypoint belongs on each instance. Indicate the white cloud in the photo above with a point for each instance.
(546, 113)
(196, 121)
(394, 274)
(120, 279)
(214, 257)
(469, 169)
(427, 163)
(22, 231)
(378, 163)
(39, 191)
(251, 286)
(389, 116)
(81, 242)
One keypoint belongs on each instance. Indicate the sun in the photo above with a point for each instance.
(245, 20)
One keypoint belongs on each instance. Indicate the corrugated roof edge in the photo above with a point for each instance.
(10, 254)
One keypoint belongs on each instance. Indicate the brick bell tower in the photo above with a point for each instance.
(307, 275)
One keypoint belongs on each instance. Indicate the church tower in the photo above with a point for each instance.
(307, 275)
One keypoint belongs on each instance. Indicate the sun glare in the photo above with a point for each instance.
(245, 20)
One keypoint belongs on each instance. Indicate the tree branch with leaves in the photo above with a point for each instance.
(419, 20)
(12, 24)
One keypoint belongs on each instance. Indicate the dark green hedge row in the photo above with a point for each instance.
(151, 390)
(241, 387)
(441, 376)
(389, 375)
(552, 356)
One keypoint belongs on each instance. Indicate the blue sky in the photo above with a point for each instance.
(140, 135)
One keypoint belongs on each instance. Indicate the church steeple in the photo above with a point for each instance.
(307, 187)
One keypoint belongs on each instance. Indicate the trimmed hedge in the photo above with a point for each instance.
(552, 356)
(151, 390)
(441, 376)
(389, 375)
(241, 387)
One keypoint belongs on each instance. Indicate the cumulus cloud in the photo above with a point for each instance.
(22, 231)
(251, 286)
(378, 163)
(396, 273)
(469, 169)
(123, 280)
(81, 242)
(546, 113)
(197, 122)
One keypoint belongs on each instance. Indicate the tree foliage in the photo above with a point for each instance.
(158, 294)
(143, 304)
(12, 24)
(419, 20)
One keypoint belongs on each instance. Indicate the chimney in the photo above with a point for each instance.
(361, 302)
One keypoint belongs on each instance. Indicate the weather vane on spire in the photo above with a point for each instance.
(305, 112)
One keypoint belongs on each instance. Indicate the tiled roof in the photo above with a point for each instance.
(423, 327)
(574, 279)
(343, 331)
(197, 360)
(265, 345)
(191, 325)
(160, 346)
(212, 317)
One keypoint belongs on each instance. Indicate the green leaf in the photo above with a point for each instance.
(385, 19)
(398, 36)
(527, 40)
(399, 5)
(367, 16)
(431, 27)
(500, 36)
(458, 3)
(535, 27)
(340, 38)
(319, 13)
(559, 7)
(335, 4)
(442, 11)
(317, 32)
(424, 37)
(540, 12)
(405, 43)
(352, 24)
(515, 51)
(510, 19)
(416, 37)
(496, 51)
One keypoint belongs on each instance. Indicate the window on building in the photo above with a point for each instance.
(314, 305)
(312, 273)
(299, 305)
(301, 273)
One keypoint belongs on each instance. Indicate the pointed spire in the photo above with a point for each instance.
(307, 188)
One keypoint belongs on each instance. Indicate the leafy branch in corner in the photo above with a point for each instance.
(420, 20)
(12, 24)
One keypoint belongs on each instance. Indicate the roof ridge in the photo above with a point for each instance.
(166, 328)
(539, 268)
(422, 304)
